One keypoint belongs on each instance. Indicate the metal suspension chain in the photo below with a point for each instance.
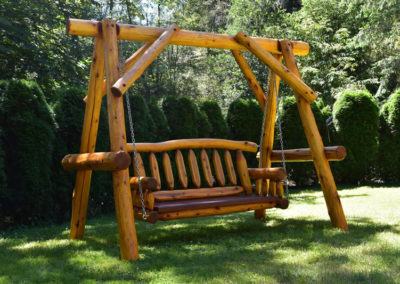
(280, 135)
(135, 154)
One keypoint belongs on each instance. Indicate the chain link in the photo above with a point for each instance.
(135, 154)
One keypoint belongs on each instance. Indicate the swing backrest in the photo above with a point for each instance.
(213, 172)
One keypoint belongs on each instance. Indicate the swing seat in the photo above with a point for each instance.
(221, 196)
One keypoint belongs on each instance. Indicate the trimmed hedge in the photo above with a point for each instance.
(184, 118)
(160, 121)
(28, 136)
(355, 116)
(303, 174)
(203, 124)
(389, 139)
(219, 127)
(144, 126)
(244, 119)
(69, 110)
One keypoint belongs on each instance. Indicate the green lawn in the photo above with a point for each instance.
(296, 245)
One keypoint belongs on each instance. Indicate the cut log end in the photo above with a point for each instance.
(122, 160)
(282, 203)
(116, 91)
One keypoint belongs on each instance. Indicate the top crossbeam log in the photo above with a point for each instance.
(183, 37)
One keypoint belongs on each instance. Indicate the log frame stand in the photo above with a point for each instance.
(105, 63)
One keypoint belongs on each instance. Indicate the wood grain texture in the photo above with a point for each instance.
(219, 171)
(332, 153)
(267, 58)
(316, 145)
(80, 196)
(122, 193)
(230, 169)
(101, 161)
(250, 78)
(155, 171)
(180, 166)
(135, 72)
(142, 170)
(205, 163)
(169, 175)
(196, 193)
(183, 37)
(267, 173)
(200, 143)
(241, 165)
(194, 169)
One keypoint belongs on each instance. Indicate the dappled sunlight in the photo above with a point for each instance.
(294, 245)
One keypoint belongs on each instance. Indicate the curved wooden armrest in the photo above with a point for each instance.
(147, 183)
(267, 173)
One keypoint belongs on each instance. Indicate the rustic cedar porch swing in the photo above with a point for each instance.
(216, 198)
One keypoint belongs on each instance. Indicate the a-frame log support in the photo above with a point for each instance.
(268, 132)
(116, 121)
(261, 186)
(80, 195)
(316, 145)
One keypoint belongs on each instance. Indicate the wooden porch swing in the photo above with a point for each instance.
(142, 197)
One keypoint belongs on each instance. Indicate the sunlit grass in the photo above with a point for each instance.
(296, 245)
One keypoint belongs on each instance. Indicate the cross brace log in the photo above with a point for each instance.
(183, 37)
(134, 73)
(267, 58)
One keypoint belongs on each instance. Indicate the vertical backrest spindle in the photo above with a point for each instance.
(180, 165)
(169, 176)
(194, 169)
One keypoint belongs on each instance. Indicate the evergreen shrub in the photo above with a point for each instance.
(244, 119)
(143, 123)
(28, 139)
(182, 116)
(303, 174)
(160, 121)
(389, 139)
(219, 127)
(69, 110)
(355, 116)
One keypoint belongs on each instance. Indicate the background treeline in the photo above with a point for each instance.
(354, 66)
(35, 134)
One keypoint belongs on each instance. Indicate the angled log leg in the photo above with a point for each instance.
(88, 141)
(122, 194)
(268, 131)
(321, 163)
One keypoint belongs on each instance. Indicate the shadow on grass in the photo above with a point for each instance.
(202, 250)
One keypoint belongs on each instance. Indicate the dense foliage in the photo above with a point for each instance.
(28, 136)
(389, 139)
(355, 116)
(219, 127)
(191, 92)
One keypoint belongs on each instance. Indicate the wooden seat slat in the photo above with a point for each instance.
(192, 204)
(196, 193)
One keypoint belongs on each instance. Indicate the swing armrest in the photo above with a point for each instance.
(147, 183)
(267, 173)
